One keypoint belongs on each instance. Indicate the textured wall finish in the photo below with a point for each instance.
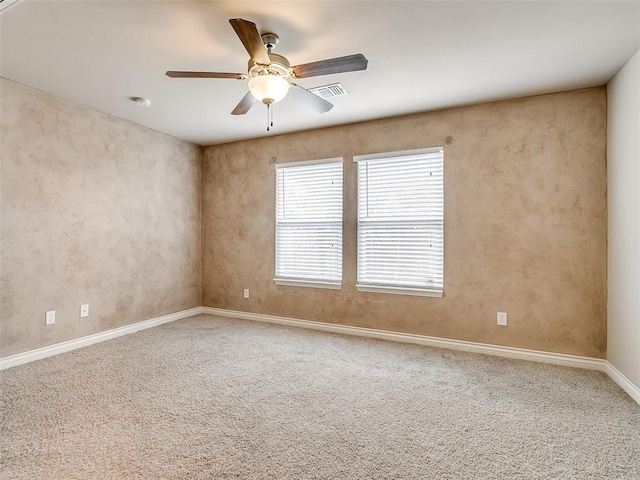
(95, 210)
(525, 224)
(623, 174)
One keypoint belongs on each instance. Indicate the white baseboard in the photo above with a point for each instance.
(627, 385)
(488, 349)
(496, 350)
(44, 352)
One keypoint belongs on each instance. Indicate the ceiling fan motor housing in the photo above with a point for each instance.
(280, 66)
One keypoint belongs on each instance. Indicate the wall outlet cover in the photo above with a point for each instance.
(50, 317)
(84, 310)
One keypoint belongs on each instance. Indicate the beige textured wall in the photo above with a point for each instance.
(95, 210)
(525, 224)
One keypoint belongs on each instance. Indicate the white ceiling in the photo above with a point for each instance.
(423, 55)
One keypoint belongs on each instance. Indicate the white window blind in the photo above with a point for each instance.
(400, 222)
(309, 223)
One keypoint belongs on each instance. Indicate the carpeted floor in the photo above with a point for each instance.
(212, 398)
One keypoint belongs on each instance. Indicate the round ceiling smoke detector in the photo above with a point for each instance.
(143, 102)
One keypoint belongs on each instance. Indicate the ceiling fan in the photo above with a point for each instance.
(268, 73)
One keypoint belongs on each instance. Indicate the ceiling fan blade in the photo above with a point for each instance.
(245, 104)
(250, 38)
(350, 63)
(175, 74)
(311, 100)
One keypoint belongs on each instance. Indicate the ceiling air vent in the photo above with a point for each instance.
(329, 91)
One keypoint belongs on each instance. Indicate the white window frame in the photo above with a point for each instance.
(370, 286)
(301, 281)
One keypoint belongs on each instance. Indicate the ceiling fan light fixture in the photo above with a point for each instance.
(268, 88)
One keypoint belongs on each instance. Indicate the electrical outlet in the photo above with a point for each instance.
(246, 293)
(502, 319)
(84, 310)
(50, 317)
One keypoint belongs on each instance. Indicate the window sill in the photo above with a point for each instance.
(421, 292)
(308, 283)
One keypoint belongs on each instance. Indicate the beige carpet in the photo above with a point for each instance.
(212, 398)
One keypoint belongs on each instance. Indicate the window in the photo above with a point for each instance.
(400, 222)
(309, 223)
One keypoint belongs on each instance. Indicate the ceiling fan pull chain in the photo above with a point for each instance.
(269, 116)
